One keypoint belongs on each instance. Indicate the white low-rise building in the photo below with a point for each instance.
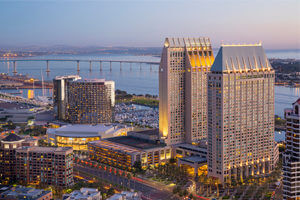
(83, 194)
(126, 195)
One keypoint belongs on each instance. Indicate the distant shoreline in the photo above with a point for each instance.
(12, 53)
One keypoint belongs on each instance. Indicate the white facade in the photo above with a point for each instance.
(60, 93)
(125, 195)
(83, 194)
(111, 87)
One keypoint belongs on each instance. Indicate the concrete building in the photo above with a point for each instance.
(291, 156)
(83, 194)
(60, 97)
(183, 89)
(17, 115)
(26, 193)
(240, 113)
(90, 101)
(126, 195)
(190, 155)
(45, 165)
(8, 147)
(124, 151)
(78, 135)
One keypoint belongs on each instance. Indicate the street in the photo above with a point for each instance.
(134, 183)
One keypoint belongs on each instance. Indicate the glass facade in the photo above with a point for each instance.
(77, 143)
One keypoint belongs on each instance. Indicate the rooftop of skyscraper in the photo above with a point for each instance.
(241, 57)
(187, 42)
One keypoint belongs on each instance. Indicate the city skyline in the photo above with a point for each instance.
(149, 99)
(146, 23)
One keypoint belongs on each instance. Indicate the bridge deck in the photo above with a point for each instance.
(79, 60)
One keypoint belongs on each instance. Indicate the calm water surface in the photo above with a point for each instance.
(135, 81)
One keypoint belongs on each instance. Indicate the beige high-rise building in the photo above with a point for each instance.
(241, 113)
(183, 88)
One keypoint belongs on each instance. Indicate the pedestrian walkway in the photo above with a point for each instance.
(241, 197)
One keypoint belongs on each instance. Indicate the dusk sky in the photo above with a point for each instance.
(147, 22)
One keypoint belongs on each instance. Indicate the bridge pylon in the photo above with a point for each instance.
(15, 68)
(78, 69)
(90, 66)
(47, 70)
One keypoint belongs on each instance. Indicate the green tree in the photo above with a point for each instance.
(110, 191)
(185, 193)
(10, 125)
(129, 176)
(217, 183)
(137, 166)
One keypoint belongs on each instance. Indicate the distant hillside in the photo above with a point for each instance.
(62, 49)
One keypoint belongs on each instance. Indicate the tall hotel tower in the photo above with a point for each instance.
(60, 98)
(240, 113)
(90, 101)
(182, 89)
(291, 158)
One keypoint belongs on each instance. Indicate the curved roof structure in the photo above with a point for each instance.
(298, 101)
(238, 58)
(87, 130)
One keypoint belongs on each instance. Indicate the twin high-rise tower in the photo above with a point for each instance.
(183, 89)
(240, 113)
(229, 101)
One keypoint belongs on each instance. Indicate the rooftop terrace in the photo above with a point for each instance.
(137, 143)
(151, 132)
(47, 149)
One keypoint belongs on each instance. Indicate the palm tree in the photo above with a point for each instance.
(228, 184)
(201, 181)
(205, 181)
(210, 182)
(217, 183)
